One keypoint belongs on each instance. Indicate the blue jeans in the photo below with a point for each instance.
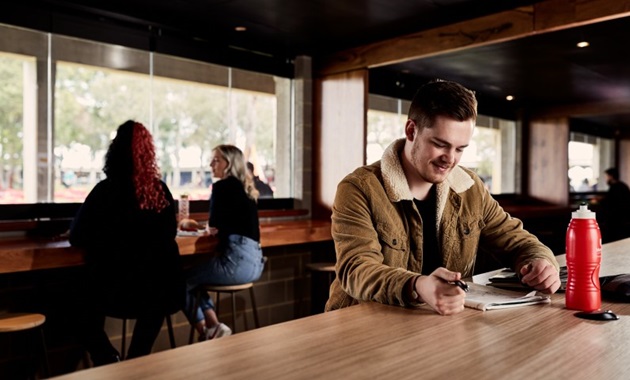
(240, 262)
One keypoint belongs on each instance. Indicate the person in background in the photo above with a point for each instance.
(409, 225)
(264, 190)
(234, 220)
(614, 209)
(127, 227)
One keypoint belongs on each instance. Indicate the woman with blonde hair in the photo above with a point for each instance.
(234, 220)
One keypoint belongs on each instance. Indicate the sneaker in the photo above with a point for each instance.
(215, 332)
(218, 331)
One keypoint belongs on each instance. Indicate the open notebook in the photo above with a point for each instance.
(483, 297)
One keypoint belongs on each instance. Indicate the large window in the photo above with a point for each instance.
(12, 152)
(386, 123)
(491, 153)
(61, 100)
(589, 156)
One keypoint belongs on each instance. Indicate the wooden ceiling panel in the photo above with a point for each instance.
(522, 48)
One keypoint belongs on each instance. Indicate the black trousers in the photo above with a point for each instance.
(100, 348)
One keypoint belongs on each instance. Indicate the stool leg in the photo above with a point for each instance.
(171, 334)
(123, 339)
(254, 308)
(218, 299)
(45, 352)
(195, 306)
(234, 311)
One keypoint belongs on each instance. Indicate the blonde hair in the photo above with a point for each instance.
(236, 167)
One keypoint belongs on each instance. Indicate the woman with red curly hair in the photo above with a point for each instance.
(127, 227)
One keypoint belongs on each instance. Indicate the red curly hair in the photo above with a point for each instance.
(146, 173)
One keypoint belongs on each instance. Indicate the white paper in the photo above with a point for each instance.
(482, 297)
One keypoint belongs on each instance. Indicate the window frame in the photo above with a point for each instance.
(36, 44)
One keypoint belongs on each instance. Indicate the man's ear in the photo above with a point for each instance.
(410, 130)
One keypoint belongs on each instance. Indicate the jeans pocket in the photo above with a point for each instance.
(229, 263)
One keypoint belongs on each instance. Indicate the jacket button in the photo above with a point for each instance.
(394, 242)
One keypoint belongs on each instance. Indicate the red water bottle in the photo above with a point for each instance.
(584, 256)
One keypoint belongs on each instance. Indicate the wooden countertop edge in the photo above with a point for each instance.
(32, 224)
(19, 255)
(22, 260)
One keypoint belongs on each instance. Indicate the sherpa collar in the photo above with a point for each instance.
(396, 184)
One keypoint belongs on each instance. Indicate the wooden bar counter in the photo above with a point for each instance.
(375, 341)
(19, 254)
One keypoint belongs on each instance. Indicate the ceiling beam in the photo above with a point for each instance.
(545, 16)
(585, 109)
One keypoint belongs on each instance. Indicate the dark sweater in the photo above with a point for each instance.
(132, 258)
(232, 211)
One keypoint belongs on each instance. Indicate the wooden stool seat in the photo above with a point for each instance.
(322, 276)
(20, 321)
(15, 322)
(232, 290)
(226, 288)
(321, 267)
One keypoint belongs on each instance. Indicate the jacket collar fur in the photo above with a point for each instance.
(396, 185)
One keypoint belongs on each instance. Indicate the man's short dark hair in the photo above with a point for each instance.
(613, 172)
(442, 98)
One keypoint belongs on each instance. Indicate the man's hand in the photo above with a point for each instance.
(541, 275)
(435, 290)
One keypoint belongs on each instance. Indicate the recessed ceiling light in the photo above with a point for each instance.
(582, 44)
(240, 29)
(509, 98)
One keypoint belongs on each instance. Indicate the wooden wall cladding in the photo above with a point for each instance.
(339, 135)
(549, 160)
(624, 159)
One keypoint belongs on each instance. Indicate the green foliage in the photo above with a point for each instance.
(11, 126)
(91, 102)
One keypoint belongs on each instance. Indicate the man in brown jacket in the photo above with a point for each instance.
(407, 226)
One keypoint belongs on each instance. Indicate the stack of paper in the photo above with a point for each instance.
(482, 297)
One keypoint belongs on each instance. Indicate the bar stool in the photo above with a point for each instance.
(322, 276)
(14, 322)
(171, 335)
(232, 290)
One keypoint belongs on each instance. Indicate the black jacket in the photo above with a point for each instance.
(132, 258)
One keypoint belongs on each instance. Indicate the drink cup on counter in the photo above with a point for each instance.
(184, 211)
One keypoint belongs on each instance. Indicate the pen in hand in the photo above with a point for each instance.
(461, 284)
